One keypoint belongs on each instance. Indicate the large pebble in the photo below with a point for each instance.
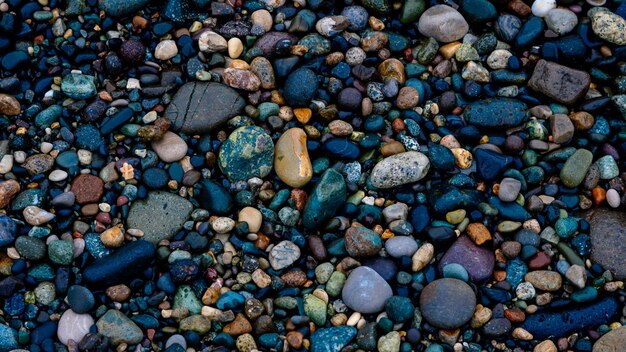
(327, 197)
(400, 169)
(447, 303)
(608, 240)
(118, 328)
(248, 152)
(365, 291)
(170, 148)
(122, 266)
(561, 83)
(291, 158)
(443, 23)
(283, 255)
(159, 216)
(608, 25)
(73, 326)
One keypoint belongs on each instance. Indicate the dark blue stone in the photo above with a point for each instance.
(531, 31)
(490, 164)
(215, 198)
(155, 178)
(123, 265)
(341, 148)
(81, 300)
(300, 87)
(8, 230)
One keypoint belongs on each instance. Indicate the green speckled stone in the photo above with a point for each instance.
(575, 168)
(327, 197)
(248, 152)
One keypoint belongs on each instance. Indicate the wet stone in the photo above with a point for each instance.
(561, 83)
(447, 303)
(159, 216)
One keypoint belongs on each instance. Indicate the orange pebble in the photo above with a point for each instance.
(599, 195)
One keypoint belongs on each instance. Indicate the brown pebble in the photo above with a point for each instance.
(118, 293)
(238, 326)
(294, 339)
(294, 278)
(8, 190)
(392, 148)
(515, 315)
(9, 105)
(87, 188)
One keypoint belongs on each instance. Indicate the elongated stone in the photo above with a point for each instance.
(122, 266)
(327, 197)
(400, 169)
(291, 158)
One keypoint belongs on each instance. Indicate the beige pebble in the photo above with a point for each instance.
(422, 257)
(235, 47)
(113, 237)
(253, 217)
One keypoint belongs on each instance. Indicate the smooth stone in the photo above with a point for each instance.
(561, 83)
(544, 280)
(612, 341)
(291, 158)
(248, 152)
(283, 255)
(399, 246)
(73, 326)
(8, 229)
(509, 189)
(400, 169)
(332, 339)
(562, 322)
(540, 8)
(443, 23)
(118, 328)
(200, 107)
(80, 299)
(170, 148)
(215, 198)
(608, 240)
(159, 216)
(78, 86)
(576, 167)
(561, 21)
(478, 11)
(327, 196)
(123, 265)
(496, 113)
(447, 303)
(477, 261)
(365, 291)
(300, 87)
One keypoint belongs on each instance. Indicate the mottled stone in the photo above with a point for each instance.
(561, 83)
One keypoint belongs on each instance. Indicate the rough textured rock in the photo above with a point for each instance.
(612, 341)
(159, 216)
(608, 240)
(559, 82)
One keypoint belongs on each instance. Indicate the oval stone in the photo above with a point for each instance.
(365, 291)
(400, 169)
(73, 326)
(291, 158)
(447, 303)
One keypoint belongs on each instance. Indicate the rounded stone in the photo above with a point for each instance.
(291, 160)
(365, 291)
(248, 152)
(170, 148)
(447, 303)
(400, 169)
(73, 326)
(443, 23)
(87, 188)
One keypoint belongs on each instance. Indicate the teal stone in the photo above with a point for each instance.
(315, 309)
(121, 8)
(248, 152)
(48, 116)
(455, 271)
(434, 347)
(160, 215)
(380, 6)
(607, 167)
(30, 248)
(79, 86)
(570, 254)
(399, 309)
(620, 103)
(332, 339)
(447, 198)
(478, 11)
(587, 294)
(396, 41)
(67, 159)
(229, 300)
(496, 113)
(327, 197)
(576, 167)
(515, 271)
(426, 51)
(39, 232)
(186, 298)
(566, 227)
(559, 155)
(414, 70)
(130, 129)
(33, 196)
(537, 130)
(268, 109)
(8, 338)
(534, 174)
(269, 340)
(559, 109)
(41, 272)
(412, 10)
(486, 43)
(61, 252)
(118, 328)
(316, 44)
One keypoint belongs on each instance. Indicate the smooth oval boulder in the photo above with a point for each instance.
(122, 266)
(575, 168)
(327, 197)
(159, 216)
(215, 198)
(73, 326)
(200, 107)
(365, 291)
(563, 322)
(400, 169)
(248, 152)
(496, 113)
(447, 303)
(400, 246)
(443, 23)
(291, 158)
(612, 341)
(300, 87)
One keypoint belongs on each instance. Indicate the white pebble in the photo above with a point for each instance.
(6, 164)
(46, 147)
(612, 197)
(541, 8)
(57, 176)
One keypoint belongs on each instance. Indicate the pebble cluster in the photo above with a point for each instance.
(312, 175)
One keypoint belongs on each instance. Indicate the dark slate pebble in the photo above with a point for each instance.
(300, 87)
(563, 322)
(123, 265)
(80, 299)
(155, 178)
(496, 113)
(341, 148)
(7, 230)
(215, 198)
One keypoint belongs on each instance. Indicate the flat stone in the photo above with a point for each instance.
(561, 83)
(8, 338)
(87, 188)
(362, 242)
(400, 169)
(365, 291)
(200, 107)
(121, 8)
(478, 261)
(608, 240)
(496, 113)
(8, 230)
(283, 255)
(118, 328)
(399, 246)
(332, 339)
(612, 341)
(159, 216)
(73, 326)
(544, 280)
(447, 303)
(576, 167)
